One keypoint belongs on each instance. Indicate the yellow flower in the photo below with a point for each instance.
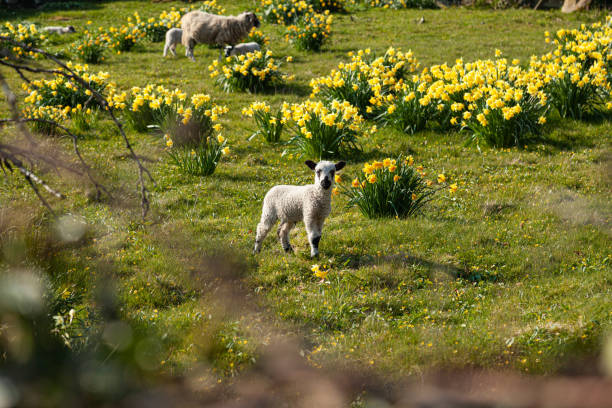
(338, 178)
(372, 178)
(220, 139)
(169, 142)
(542, 120)
(453, 187)
(318, 272)
(392, 168)
(414, 196)
(441, 178)
(355, 183)
(395, 178)
(226, 150)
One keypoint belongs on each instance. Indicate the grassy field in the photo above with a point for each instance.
(514, 270)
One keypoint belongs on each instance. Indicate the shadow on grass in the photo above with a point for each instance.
(291, 89)
(27, 9)
(567, 134)
(356, 261)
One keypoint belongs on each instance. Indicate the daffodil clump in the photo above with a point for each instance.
(259, 37)
(254, 72)
(400, 4)
(201, 159)
(124, 38)
(578, 72)
(154, 29)
(392, 188)
(25, 33)
(330, 5)
(211, 6)
(310, 31)
(61, 92)
(285, 12)
(366, 80)
(406, 110)
(270, 124)
(323, 130)
(149, 106)
(44, 117)
(499, 103)
(91, 47)
(195, 121)
(59, 99)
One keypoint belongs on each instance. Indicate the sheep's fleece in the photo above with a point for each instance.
(291, 204)
(200, 27)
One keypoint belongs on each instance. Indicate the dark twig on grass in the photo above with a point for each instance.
(99, 187)
(68, 73)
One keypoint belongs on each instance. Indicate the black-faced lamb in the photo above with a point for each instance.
(200, 27)
(173, 38)
(59, 30)
(291, 204)
(241, 49)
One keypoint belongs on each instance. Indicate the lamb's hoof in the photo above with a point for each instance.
(289, 249)
(314, 255)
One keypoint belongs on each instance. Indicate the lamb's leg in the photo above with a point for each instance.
(264, 226)
(283, 233)
(166, 47)
(314, 230)
(173, 50)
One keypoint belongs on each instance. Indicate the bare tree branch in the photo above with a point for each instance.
(69, 73)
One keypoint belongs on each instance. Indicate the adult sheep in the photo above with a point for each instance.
(200, 27)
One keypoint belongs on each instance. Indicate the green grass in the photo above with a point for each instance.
(514, 270)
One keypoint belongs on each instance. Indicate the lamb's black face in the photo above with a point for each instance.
(71, 29)
(325, 172)
(254, 20)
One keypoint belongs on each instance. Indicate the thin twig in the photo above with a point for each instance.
(99, 187)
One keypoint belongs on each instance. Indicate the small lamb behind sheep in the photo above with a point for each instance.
(59, 30)
(291, 204)
(206, 28)
(241, 49)
(173, 38)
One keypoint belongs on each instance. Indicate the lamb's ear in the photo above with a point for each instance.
(340, 165)
(311, 164)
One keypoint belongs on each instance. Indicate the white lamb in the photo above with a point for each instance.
(291, 204)
(59, 30)
(173, 38)
(241, 49)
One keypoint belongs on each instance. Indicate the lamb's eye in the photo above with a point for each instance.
(318, 172)
(332, 173)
